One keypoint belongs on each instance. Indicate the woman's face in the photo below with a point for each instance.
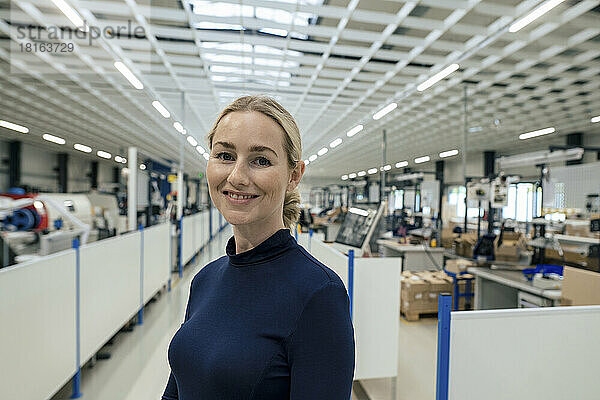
(248, 173)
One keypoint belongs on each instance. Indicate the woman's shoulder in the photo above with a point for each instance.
(314, 273)
(209, 269)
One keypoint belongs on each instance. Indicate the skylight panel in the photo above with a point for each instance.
(227, 58)
(219, 9)
(213, 25)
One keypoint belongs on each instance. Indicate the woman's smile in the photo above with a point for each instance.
(239, 198)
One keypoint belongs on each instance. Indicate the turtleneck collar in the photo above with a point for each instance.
(272, 247)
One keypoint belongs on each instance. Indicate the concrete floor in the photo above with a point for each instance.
(138, 367)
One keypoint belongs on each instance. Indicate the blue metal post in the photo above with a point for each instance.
(170, 257)
(310, 233)
(351, 278)
(77, 378)
(141, 311)
(180, 262)
(443, 354)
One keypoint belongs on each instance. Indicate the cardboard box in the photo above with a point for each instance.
(579, 227)
(420, 291)
(580, 287)
(508, 253)
(463, 246)
(447, 238)
(510, 248)
(459, 265)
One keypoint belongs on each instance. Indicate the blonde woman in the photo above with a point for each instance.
(267, 321)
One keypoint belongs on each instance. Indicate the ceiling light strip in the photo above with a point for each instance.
(126, 72)
(540, 132)
(161, 109)
(53, 139)
(384, 111)
(13, 126)
(437, 77)
(535, 14)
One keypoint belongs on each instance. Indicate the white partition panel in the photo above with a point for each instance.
(542, 353)
(156, 259)
(110, 289)
(376, 309)
(187, 239)
(204, 231)
(37, 327)
(215, 220)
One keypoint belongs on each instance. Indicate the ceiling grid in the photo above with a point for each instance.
(332, 63)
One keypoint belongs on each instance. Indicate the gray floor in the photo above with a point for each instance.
(138, 367)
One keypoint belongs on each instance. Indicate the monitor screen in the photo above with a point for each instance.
(356, 226)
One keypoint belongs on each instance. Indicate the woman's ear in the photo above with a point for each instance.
(296, 175)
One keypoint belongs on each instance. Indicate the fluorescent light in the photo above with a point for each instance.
(124, 160)
(179, 127)
(306, 162)
(142, 166)
(312, 158)
(539, 132)
(335, 143)
(53, 139)
(323, 151)
(103, 154)
(595, 119)
(474, 129)
(200, 149)
(82, 147)
(206, 156)
(192, 141)
(118, 159)
(358, 211)
(361, 173)
(344, 177)
(387, 167)
(352, 175)
(448, 153)
(14, 127)
(135, 82)
(420, 160)
(354, 130)
(437, 77)
(535, 14)
(372, 171)
(385, 110)
(161, 109)
(401, 164)
(70, 13)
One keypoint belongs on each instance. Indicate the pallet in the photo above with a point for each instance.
(416, 316)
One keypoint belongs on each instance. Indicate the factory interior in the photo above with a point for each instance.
(452, 182)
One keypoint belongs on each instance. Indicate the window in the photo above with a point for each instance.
(522, 198)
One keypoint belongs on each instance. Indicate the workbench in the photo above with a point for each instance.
(415, 257)
(495, 289)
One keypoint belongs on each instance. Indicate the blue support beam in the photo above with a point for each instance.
(443, 353)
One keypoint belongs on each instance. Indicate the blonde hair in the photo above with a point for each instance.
(292, 143)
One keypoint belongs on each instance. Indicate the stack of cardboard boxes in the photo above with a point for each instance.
(513, 243)
(420, 291)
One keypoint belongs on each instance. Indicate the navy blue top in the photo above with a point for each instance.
(271, 323)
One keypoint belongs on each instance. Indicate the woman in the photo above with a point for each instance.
(267, 321)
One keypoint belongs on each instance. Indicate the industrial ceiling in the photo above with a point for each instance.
(333, 64)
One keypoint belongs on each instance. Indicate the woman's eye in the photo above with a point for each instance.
(262, 162)
(224, 156)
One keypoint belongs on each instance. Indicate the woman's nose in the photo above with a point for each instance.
(239, 174)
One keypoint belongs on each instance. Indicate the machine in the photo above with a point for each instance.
(33, 225)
